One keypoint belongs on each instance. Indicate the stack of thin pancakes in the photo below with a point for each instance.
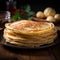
(30, 33)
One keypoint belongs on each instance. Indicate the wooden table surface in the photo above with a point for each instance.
(51, 53)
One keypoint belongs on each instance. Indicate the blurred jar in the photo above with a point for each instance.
(4, 18)
(11, 6)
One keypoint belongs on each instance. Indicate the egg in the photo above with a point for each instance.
(49, 12)
(40, 14)
(50, 18)
(57, 17)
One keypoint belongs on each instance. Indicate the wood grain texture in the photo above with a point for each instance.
(25, 55)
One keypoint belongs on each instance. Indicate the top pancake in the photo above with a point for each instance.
(29, 26)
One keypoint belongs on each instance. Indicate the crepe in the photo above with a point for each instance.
(30, 33)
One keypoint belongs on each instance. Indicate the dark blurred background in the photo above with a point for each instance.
(35, 4)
